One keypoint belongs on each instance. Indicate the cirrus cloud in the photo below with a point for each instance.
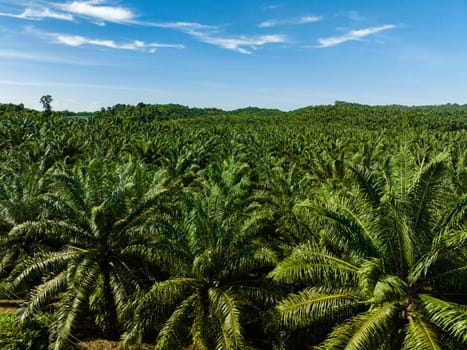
(242, 44)
(38, 14)
(136, 45)
(95, 10)
(353, 35)
(210, 34)
(290, 21)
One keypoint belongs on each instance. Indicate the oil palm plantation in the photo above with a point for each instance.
(225, 259)
(102, 219)
(390, 269)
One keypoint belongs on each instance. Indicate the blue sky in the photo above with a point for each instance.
(232, 54)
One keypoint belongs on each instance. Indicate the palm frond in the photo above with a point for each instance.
(41, 296)
(420, 335)
(201, 328)
(254, 258)
(133, 335)
(450, 317)
(170, 336)
(308, 264)
(135, 216)
(72, 190)
(174, 259)
(225, 309)
(167, 292)
(455, 217)
(365, 331)
(122, 283)
(390, 288)
(71, 306)
(448, 245)
(347, 229)
(424, 195)
(369, 272)
(8, 259)
(397, 234)
(46, 229)
(318, 304)
(454, 279)
(258, 293)
(40, 265)
(368, 184)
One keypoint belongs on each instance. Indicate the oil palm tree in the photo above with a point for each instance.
(22, 188)
(221, 277)
(101, 217)
(390, 271)
(281, 190)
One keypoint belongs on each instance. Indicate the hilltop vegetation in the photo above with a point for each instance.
(327, 227)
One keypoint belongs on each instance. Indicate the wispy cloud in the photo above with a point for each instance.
(181, 26)
(242, 44)
(38, 14)
(271, 7)
(136, 45)
(353, 35)
(100, 12)
(210, 34)
(289, 21)
(94, 9)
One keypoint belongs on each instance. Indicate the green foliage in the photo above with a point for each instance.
(184, 227)
(12, 337)
(386, 227)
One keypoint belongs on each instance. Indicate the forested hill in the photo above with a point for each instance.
(446, 117)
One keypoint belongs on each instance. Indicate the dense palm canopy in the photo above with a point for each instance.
(389, 269)
(101, 222)
(225, 259)
(325, 227)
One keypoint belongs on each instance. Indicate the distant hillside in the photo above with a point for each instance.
(446, 117)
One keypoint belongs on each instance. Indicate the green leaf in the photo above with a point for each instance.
(420, 335)
(308, 264)
(449, 316)
(316, 304)
(226, 310)
(365, 331)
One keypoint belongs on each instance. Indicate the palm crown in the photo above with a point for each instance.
(224, 258)
(390, 264)
(100, 222)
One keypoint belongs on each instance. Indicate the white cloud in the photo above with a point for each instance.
(31, 13)
(95, 10)
(35, 14)
(242, 44)
(181, 26)
(292, 21)
(210, 35)
(136, 45)
(99, 12)
(271, 7)
(353, 35)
